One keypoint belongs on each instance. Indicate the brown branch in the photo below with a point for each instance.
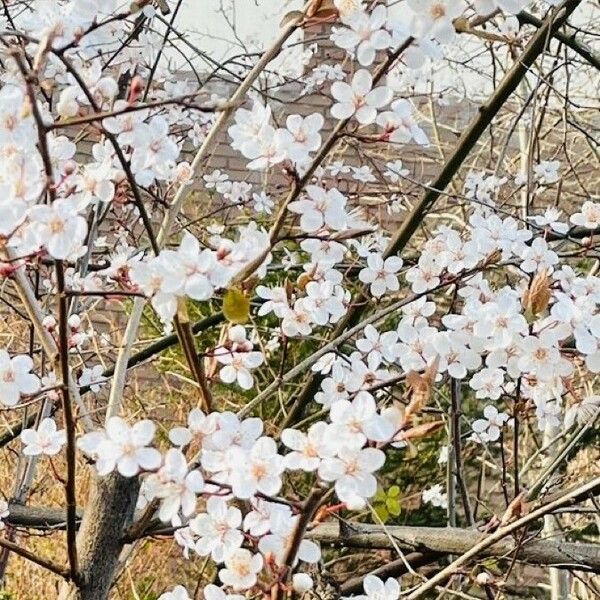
(455, 540)
(488, 541)
(63, 336)
(568, 39)
(101, 115)
(34, 558)
(69, 420)
(195, 363)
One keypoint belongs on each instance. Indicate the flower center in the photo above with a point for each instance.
(437, 11)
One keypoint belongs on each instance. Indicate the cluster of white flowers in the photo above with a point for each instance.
(194, 272)
(220, 482)
(255, 137)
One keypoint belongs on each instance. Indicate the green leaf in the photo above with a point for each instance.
(380, 496)
(382, 512)
(236, 306)
(394, 491)
(393, 506)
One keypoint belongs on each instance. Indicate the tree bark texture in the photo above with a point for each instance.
(109, 511)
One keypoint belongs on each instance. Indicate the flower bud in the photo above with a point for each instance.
(302, 582)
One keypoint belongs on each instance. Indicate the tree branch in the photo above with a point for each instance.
(455, 540)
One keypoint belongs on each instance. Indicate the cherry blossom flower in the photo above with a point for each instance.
(352, 470)
(380, 274)
(15, 378)
(218, 529)
(542, 358)
(488, 429)
(308, 448)
(217, 180)
(177, 487)
(123, 447)
(376, 589)
(278, 541)
(46, 439)
(395, 171)
(160, 278)
(260, 520)
(400, 125)
(487, 383)
(353, 423)
(589, 217)
(263, 203)
(198, 265)
(177, 593)
(538, 257)
(200, 426)
(93, 378)
(321, 208)
(358, 99)
(377, 346)
(248, 128)
(238, 360)
(155, 152)
(258, 470)
(425, 275)
(241, 569)
(212, 592)
(364, 34)
(547, 171)
(433, 18)
(302, 136)
(435, 496)
(551, 219)
(58, 228)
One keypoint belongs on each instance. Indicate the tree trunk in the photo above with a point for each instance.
(109, 511)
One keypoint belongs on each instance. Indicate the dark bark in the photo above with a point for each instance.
(109, 511)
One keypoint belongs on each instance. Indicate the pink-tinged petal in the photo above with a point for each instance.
(365, 54)
(379, 97)
(29, 436)
(244, 379)
(366, 115)
(392, 588)
(32, 450)
(180, 436)
(169, 508)
(371, 459)
(311, 221)
(117, 429)
(293, 439)
(195, 482)
(127, 466)
(342, 92)
(342, 110)
(309, 552)
(22, 363)
(381, 39)
(393, 264)
(350, 39)
(362, 82)
(142, 433)
(419, 136)
(228, 374)
(378, 288)
(373, 586)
